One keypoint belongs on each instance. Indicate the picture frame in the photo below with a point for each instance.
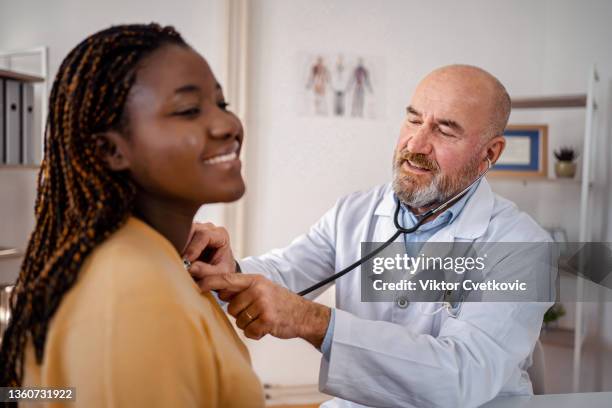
(525, 154)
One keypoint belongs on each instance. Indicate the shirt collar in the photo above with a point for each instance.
(472, 223)
(447, 217)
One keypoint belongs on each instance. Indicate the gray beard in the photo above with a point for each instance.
(439, 190)
(416, 197)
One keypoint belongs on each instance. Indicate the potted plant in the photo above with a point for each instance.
(552, 316)
(565, 166)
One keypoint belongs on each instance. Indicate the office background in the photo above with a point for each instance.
(296, 166)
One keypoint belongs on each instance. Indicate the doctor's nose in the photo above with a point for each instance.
(419, 141)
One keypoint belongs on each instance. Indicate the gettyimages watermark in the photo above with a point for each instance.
(487, 272)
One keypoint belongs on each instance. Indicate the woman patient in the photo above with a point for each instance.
(138, 138)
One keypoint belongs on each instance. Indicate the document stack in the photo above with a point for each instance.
(17, 138)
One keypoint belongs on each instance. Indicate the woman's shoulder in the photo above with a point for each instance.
(135, 251)
(134, 313)
(135, 262)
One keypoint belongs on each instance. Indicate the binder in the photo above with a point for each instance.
(12, 135)
(2, 93)
(27, 123)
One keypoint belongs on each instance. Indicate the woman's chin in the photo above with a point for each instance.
(230, 193)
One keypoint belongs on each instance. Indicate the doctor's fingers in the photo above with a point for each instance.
(198, 225)
(195, 227)
(259, 319)
(203, 237)
(256, 330)
(254, 322)
(200, 270)
(239, 301)
(227, 282)
(248, 316)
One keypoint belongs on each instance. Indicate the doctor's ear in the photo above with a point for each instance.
(494, 148)
(112, 147)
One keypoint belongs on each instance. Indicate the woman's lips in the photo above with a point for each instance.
(227, 155)
(224, 158)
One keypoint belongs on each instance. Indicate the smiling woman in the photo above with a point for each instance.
(138, 138)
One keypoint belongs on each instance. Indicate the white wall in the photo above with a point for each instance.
(298, 166)
(62, 24)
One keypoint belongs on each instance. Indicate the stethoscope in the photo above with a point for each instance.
(400, 230)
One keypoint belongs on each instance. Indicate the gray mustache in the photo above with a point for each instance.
(418, 159)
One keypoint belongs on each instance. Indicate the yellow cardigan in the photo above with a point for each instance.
(135, 331)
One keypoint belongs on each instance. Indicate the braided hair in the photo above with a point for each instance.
(79, 202)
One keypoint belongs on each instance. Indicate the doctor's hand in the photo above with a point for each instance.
(262, 307)
(208, 249)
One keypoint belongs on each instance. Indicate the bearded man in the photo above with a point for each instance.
(399, 353)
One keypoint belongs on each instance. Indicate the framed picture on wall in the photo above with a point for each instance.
(526, 152)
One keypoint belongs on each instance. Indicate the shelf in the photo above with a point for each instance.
(526, 180)
(19, 167)
(562, 101)
(19, 76)
(293, 396)
(560, 337)
(6, 253)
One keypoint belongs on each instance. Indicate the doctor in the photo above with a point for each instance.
(399, 354)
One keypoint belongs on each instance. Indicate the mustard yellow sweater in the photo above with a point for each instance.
(135, 331)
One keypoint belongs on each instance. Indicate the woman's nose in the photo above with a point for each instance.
(224, 126)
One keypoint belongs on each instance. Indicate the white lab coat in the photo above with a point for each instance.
(383, 355)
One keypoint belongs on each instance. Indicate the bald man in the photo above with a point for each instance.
(403, 352)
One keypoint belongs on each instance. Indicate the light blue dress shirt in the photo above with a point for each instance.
(414, 242)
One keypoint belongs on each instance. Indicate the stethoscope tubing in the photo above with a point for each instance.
(400, 230)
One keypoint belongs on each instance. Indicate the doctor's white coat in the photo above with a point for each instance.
(386, 355)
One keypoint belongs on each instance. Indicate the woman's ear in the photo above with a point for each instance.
(114, 150)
